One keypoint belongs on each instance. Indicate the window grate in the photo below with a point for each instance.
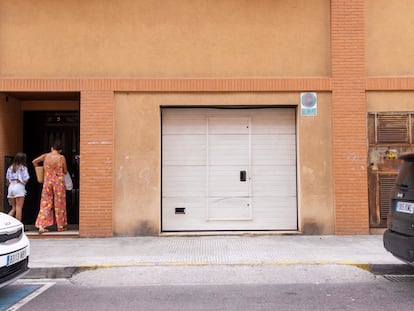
(386, 182)
(393, 128)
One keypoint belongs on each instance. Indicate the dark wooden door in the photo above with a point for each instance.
(390, 134)
(41, 130)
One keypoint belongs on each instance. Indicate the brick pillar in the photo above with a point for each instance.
(349, 116)
(96, 163)
(11, 135)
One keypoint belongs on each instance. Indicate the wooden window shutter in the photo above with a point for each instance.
(393, 128)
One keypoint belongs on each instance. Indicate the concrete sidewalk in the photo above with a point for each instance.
(60, 257)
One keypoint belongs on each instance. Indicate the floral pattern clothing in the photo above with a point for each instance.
(53, 199)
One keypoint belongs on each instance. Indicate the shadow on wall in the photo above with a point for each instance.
(143, 228)
(311, 228)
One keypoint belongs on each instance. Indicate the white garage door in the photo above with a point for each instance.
(228, 169)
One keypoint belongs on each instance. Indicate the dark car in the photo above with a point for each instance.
(399, 237)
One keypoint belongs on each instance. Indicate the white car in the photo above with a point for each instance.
(14, 250)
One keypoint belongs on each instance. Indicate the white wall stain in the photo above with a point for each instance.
(307, 170)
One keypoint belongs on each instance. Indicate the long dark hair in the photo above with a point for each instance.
(19, 161)
(57, 145)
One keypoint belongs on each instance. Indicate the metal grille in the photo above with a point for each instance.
(393, 128)
(9, 272)
(15, 235)
(399, 278)
(386, 182)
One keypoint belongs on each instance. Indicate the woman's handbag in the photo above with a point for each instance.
(39, 174)
(68, 181)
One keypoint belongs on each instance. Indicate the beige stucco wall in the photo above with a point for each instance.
(390, 101)
(144, 38)
(137, 191)
(316, 207)
(389, 37)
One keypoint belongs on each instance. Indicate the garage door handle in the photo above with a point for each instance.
(242, 175)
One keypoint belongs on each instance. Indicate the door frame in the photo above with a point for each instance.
(35, 125)
(231, 107)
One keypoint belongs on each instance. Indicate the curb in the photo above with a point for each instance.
(68, 272)
(51, 273)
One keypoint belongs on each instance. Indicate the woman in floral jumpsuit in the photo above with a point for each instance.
(53, 200)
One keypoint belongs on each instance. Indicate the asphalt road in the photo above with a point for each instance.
(286, 287)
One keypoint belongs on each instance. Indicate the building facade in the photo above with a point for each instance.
(211, 116)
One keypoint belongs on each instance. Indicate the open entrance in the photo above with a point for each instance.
(31, 122)
(41, 130)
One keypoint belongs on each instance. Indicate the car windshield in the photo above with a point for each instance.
(406, 175)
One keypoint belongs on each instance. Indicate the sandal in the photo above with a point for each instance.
(62, 229)
(42, 230)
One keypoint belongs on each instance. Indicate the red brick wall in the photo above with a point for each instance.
(96, 163)
(349, 117)
(168, 85)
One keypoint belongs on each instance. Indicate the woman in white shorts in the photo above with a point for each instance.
(17, 176)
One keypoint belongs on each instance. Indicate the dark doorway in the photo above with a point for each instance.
(8, 160)
(41, 129)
